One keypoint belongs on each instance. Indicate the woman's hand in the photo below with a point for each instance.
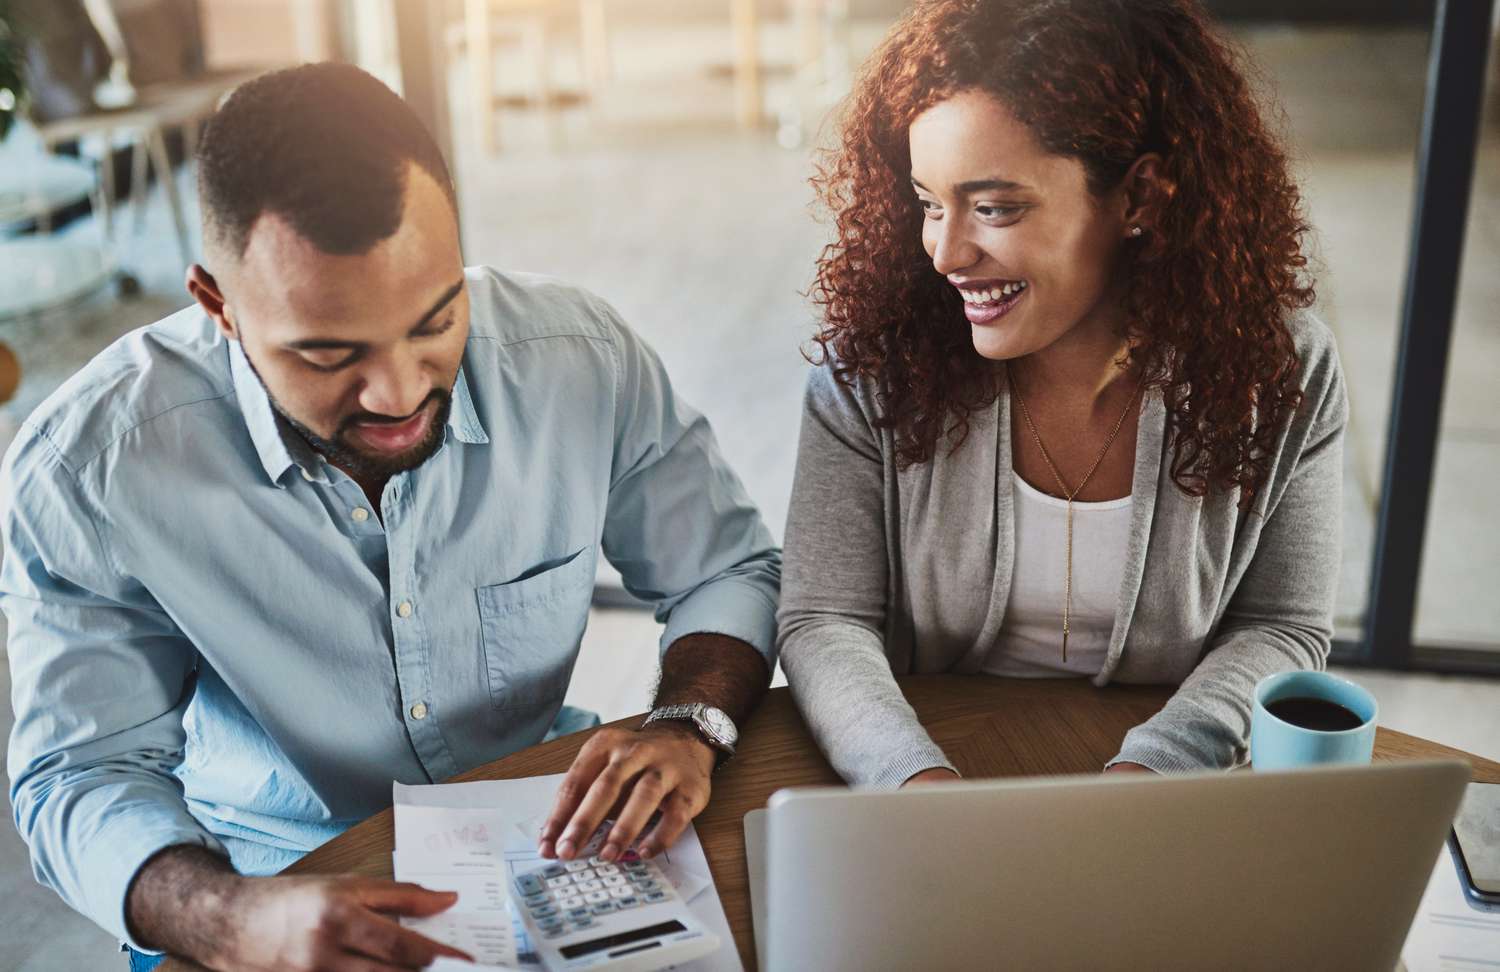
(937, 774)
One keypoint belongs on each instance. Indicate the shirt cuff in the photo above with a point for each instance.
(1158, 761)
(123, 853)
(909, 765)
(1165, 748)
(727, 606)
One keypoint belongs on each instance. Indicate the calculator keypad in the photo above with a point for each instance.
(569, 896)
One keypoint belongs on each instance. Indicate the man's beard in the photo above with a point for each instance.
(360, 463)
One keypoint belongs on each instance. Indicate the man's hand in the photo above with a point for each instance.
(301, 924)
(630, 775)
(188, 901)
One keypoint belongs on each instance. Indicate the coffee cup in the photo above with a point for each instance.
(1308, 718)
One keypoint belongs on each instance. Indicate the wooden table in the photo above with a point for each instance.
(989, 727)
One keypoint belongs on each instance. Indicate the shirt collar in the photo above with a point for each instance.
(280, 447)
(264, 425)
(463, 417)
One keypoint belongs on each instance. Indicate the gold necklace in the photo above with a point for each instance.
(1069, 494)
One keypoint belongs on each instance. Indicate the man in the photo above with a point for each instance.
(338, 524)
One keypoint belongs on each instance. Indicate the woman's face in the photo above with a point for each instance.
(1014, 228)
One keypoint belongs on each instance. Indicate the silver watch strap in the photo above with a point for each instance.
(691, 713)
(683, 711)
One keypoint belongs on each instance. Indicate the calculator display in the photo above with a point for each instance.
(622, 938)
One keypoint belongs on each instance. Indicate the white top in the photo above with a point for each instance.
(1030, 642)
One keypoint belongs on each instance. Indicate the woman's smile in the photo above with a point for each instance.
(986, 301)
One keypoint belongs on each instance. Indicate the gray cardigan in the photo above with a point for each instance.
(893, 571)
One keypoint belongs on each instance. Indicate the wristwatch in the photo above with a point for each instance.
(713, 724)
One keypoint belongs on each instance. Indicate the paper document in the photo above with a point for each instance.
(470, 828)
(445, 964)
(459, 850)
(1449, 934)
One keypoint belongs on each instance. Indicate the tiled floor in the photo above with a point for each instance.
(731, 245)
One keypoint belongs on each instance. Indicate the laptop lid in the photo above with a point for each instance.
(1311, 869)
(755, 874)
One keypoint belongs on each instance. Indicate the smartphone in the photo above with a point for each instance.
(1475, 844)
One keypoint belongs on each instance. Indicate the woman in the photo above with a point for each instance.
(1071, 415)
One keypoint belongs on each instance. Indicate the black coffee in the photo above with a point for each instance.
(1319, 714)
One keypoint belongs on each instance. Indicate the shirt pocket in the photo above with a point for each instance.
(530, 629)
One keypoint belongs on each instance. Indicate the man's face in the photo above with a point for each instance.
(358, 353)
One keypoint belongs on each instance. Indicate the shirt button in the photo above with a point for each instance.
(419, 711)
(404, 609)
(360, 514)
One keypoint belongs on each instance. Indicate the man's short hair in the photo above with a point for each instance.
(324, 146)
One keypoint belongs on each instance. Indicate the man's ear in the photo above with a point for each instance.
(1148, 189)
(203, 288)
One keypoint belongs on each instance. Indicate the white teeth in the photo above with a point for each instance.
(991, 296)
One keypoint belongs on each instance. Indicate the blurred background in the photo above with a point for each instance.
(657, 152)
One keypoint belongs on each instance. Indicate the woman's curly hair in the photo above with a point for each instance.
(1208, 290)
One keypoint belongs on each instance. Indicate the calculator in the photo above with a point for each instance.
(624, 916)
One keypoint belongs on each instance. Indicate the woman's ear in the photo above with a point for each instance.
(203, 288)
(1147, 191)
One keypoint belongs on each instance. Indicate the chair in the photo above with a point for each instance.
(534, 23)
(39, 271)
(178, 94)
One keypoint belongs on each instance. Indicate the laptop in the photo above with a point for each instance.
(1308, 869)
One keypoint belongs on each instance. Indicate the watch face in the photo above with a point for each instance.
(720, 724)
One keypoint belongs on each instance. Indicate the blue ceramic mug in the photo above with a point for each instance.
(1278, 744)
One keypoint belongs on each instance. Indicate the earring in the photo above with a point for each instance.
(1135, 231)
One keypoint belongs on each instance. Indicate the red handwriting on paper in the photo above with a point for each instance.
(468, 837)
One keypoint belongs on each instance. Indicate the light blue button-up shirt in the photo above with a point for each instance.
(213, 640)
